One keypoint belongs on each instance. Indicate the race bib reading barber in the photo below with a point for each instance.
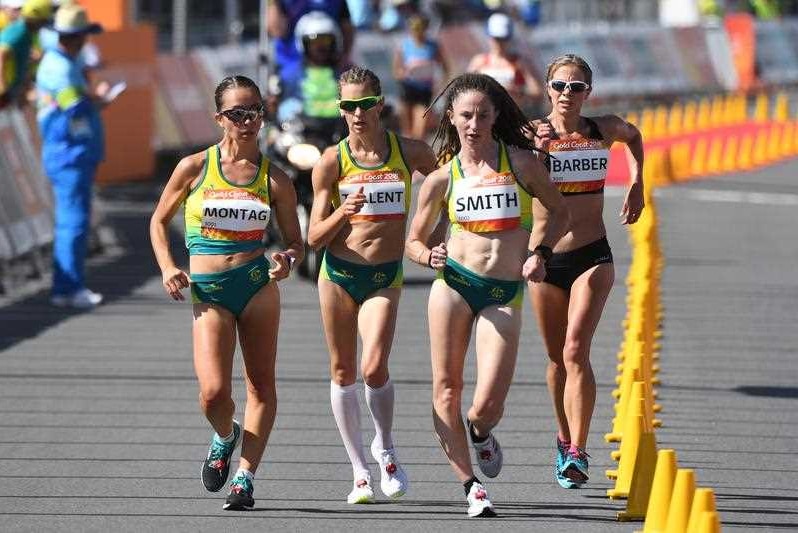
(384, 190)
(578, 165)
(234, 215)
(488, 203)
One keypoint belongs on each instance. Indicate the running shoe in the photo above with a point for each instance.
(216, 467)
(478, 503)
(562, 454)
(81, 299)
(393, 480)
(575, 469)
(489, 454)
(240, 496)
(362, 491)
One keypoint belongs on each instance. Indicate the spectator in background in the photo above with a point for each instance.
(505, 65)
(72, 147)
(282, 18)
(414, 65)
(9, 11)
(16, 42)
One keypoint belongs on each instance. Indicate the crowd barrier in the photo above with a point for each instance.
(26, 205)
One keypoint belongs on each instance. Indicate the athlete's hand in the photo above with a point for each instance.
(174, 280)
(282, 267)
(633, 204)
(534, 268)
(437, 257)
(543, 136)
(354, 203)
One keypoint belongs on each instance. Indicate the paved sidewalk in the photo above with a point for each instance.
(101, 428)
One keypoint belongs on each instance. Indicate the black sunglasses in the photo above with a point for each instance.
(574, 86)
(239, 115)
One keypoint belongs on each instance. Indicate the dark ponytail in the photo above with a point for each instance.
(231, 82)
(511, 126)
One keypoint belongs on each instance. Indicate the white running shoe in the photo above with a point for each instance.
(478, 503)
(362, 491)
(393, 480)
(489, 454)
(81, 299)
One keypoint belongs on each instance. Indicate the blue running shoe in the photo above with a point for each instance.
(216, 467)
(575, 469)
(559, 461)
(240, 496)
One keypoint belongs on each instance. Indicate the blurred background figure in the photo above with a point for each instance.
(72, 147)
(505, 65)
(363, 12)
(283, 16)
(415, 62)
(9, 11)
(16, 44)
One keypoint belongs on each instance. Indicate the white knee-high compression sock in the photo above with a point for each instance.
(380, 403)
(347, 417)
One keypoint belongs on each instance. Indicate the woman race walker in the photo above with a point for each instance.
(569, 302)
(230, 191)
(487, 187)
(361, 198)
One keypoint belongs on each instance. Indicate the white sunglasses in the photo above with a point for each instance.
(573, 86)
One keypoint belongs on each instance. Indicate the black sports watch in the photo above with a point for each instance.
(544, 251)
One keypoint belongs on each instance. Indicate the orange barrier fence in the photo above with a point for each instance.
(710, 137)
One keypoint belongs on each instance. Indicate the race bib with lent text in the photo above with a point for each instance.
(384, 191)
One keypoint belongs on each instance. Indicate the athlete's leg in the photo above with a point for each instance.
(588, 295)
(339, 316)
(214, 337)
(497, 332)
(550, 304)
(377, 323)
(257, 329)
(450, 323)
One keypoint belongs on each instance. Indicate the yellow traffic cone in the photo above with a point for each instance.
(661, 490)
(675, 120)
(661, 122)
(698, 166)
(703, 501)
(774, 143)
(716, 112)
(635, 427)
(714, 159)
(642, 479)
(759, 154)
(761, 108)
(710, 523)
(690, 117)
(681, 501)
(781, 109)
(704, 116)
(746, 161)
(729, 163)
(680, 160)
(787, 140)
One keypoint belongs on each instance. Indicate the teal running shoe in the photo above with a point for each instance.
(216, 467)
(574, 469)
(240, 496)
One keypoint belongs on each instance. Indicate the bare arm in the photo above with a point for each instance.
(615, 128)
(276, 22)
(325, 223)
(173, 195)
(430, 201)
(398, 64)
(419, 156)
(283, 199)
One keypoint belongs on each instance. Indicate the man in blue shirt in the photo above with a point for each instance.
(72, 147)
(16, 41)
(282, 18)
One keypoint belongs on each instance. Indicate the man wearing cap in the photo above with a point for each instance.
(72, 147)
(505, 65)
(16, 41)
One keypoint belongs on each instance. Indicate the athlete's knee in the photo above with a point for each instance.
(214, 394)
(342, 375)
(575, 354)
(448, 393)
(262, 391)
(374, 372)
(487, 412)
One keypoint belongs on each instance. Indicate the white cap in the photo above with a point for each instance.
(12, 4)
(500, 26)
